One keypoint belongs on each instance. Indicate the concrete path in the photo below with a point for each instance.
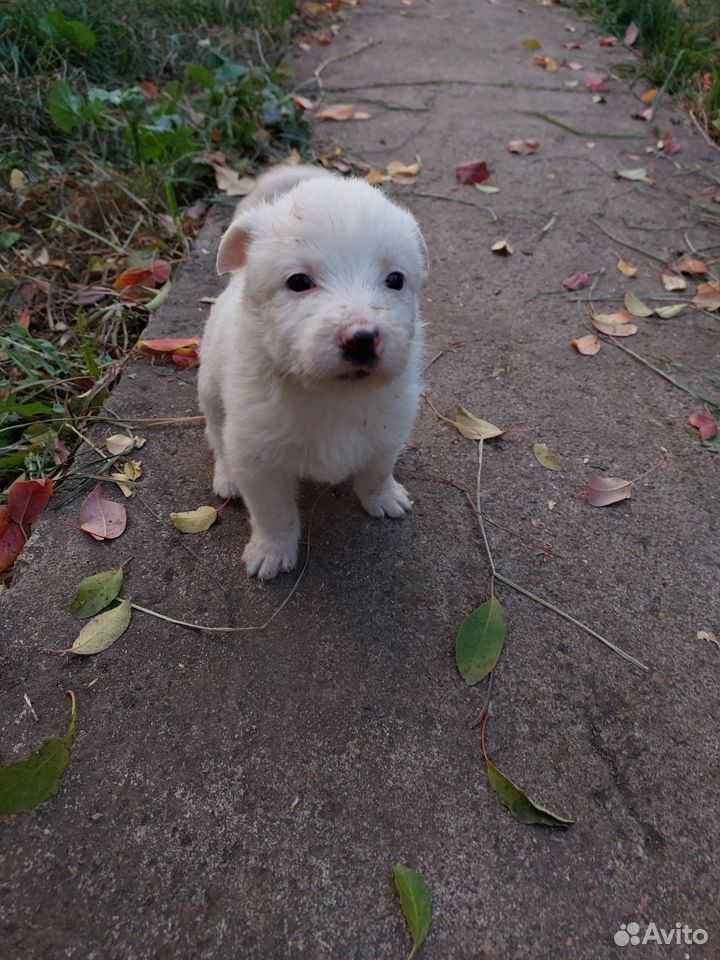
(245, 796)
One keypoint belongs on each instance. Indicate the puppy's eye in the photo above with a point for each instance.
(299, 282)
(394, 280)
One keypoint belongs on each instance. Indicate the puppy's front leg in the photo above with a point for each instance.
(275, 522)
(378, 491)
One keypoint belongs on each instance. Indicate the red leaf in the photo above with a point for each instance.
(602, 491)
(706, 424)
(631, 34)
(669, 145)
(12, 539)
(607, 41)
(167, 345)
(596, 83)
(149, 90)
(102, 519)
(186, 357)
(132, 277)
(578, 281)
(161, 271)
(27, 499)
(475, 172)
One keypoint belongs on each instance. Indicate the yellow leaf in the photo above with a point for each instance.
(398, 168)
(473, 427)
(626, 268)
(194, 521)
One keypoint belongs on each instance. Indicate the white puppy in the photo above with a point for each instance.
(310, 364)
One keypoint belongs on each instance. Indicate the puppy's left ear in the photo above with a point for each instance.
(232, 252)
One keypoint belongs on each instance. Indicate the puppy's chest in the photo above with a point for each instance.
(330, 444)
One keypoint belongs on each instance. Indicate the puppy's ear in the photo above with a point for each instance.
(232, 252)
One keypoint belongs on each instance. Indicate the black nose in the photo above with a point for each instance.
(360, 347)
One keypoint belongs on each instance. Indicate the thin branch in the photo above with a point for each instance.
(624, 243)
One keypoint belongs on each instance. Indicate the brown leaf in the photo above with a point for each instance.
(167, 345)
(474, 172)
(602, 491)
(548, 63)
(523, 146)
(102, 519)
(690, 265)
(133, 277)
(673, 282)
(27, 499)
(614, 324)
(336, 111)
(231, 183)
(627, 269)
(502, 248)
(708, 296)
(588, 346)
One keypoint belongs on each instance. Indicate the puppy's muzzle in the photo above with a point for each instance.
(360, 347)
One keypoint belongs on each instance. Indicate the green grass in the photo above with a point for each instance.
(110, 110)
(681, 46)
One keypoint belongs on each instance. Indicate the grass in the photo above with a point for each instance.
(114, 112)
(680, 42)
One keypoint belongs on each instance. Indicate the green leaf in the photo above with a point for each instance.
(714, 444)
(8, 239)
(74, 32)
(545, 457)
(102, 631)
(672, 310)
(64, 106)
(636, 173)
(480, 641)
(518, 803)
(415, 901)
(200, 75)
(194, 521)
(94, 593)
(26, 783)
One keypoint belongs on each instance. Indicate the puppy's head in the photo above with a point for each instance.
(332, 273)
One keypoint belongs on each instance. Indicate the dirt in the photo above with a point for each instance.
(246, 795)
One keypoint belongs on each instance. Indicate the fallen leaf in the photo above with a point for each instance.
(474, 172)
(26, 783)
(396, 168)
(119, 443)
(415, 901)
(336, 111)
(705, 423)
(518, 803)
(588, 345)
(627, 269)
(574, 65)
(602, 491)
(635, 306)
(102, 519)
(486, 188)
(374, 177)
(95, 592)
(194, 521)
(60, 451)
(531, 44)
(18, 180)
(671, 282)
(643, 115)
(523, 146)
(186, 357)
(231, 183)
(12, 539)
(149, 90)
(302, 103)
(545, 457)
(670, 311)
(595, 82)
(103, 630)
(502, 248)
(578, 281)
(165, 345)
(636, 173)
(133, 469)
(614, 324)
(649, 95)
(548, 63)
(607, 41)
(668, 144)
(473, 427)
(132, 277)
(708, 296)
(479, 642)
(690, 265)
(123, 484)
(27, 499)
(708, 635)
(631, 34)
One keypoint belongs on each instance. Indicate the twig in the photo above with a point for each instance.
(590, 134)
(703, 132)
(532, 596)
(326, 63)
(454, 346)
(624, 243)
(31, 708)
(251, 627)
(464, 203)
(661, 373)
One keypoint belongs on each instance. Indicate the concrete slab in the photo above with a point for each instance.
(246, 795)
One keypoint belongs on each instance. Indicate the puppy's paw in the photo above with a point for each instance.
(222, 484)
(266, 558)
(391, 500)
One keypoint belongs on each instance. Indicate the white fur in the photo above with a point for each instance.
(281, 400)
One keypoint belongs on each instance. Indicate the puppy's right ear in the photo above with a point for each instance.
(232, 252)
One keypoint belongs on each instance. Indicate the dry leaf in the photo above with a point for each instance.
(102, 519)
(119, 443)
(194, 521)
(545, 457)
(668, 144)
(672, 282)
(523, 146)
(502, 248)
(336, 111)
(708, 296)
(396, 168)
(602, 491)
(690, 265)
(473, 427)
(133, 469)
(588, 345)
(649, 95)
(595, 82)
(531, 44)
(627, 269)
(614, 324)
(635, 306)
(635, 173)
(548, 63)
(231, 183)
(705, 423)
(607, 41)
(474, 172)
(126, 488)
(27, 499)
(578, 281)
(631, 34)
(670, 311)
(103, 630)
